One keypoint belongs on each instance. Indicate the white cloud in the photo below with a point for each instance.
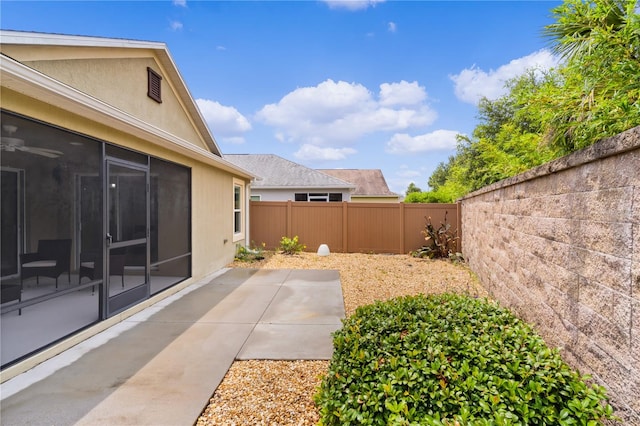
(234, 140)
(335, 113)
(311, 152)
(175, 25)
(182, 3)
(352, 4)
(399, 185)
(402, 93)
(219, 47)
(408, 173)
(392, 27)
(471, 84)
(224, 121)
(402, 143)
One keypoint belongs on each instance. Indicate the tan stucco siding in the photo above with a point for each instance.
(212, 213)
(122, 83)
(211, 188)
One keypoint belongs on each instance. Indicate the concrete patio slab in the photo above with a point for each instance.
(301, 304)
(164, 382)
(270, 276)
(161, 366)
(289, 342)
(246, 304)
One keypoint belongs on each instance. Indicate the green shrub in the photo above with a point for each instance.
(291, 245)
(441, 195)
(419, 197)
(448, 359)
(444, 194)
(245, 254)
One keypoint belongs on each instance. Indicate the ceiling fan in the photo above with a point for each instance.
(12, 144)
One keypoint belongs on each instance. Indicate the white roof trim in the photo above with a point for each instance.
(23, 79)
(46, 39)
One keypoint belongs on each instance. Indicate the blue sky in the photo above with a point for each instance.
(328, 84)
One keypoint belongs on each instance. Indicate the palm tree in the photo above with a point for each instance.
(583, 26)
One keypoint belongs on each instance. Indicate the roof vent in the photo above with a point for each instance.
(154, 89)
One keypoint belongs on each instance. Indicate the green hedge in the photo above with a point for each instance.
(449, 359)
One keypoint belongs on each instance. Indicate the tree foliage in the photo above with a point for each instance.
(598, 94)
(412, 188)
(593, 94)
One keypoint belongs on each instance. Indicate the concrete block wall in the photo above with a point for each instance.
(560, 246)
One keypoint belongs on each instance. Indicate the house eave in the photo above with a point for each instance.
(50, 39)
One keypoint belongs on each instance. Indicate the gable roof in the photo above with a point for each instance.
(368, 182)
(274, 172)
(43, 40)
(30, 82)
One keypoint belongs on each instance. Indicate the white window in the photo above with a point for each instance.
(318, 196)
(238, 210)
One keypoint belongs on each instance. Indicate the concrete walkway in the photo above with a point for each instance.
(161, 366)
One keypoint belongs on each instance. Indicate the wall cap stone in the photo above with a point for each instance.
(628, 140)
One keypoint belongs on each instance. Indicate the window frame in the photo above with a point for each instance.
(238, 210)
(318, 197)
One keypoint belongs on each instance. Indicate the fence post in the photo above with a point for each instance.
(345, 233)
(289, 225)
(459, 226)
(403, 249)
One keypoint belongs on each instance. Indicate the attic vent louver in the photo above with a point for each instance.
(153, 85)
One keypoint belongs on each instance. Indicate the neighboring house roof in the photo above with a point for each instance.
(275, 172)
(31, 82)
(368, 182)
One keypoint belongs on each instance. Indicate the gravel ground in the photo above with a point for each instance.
(281, 392)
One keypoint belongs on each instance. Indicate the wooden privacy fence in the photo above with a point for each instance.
(349, 227)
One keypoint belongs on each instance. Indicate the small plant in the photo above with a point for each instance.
(451, 360)
(245, 254)
(291, 245)
(441, 242)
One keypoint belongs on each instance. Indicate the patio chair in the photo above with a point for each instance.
(11, 292)
(51, 260)
(91, 265)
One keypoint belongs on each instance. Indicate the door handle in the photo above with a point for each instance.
(109, 239)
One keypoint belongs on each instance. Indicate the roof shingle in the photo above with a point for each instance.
(276, 172)
(368, 182)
